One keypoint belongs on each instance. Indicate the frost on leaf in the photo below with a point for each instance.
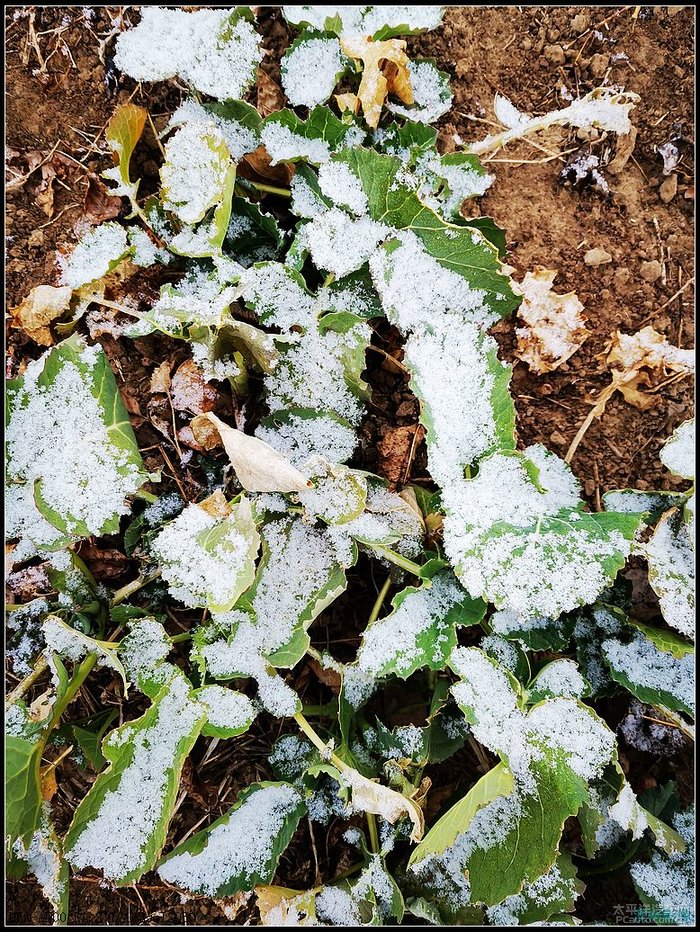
(41, 307)
(421, 629)
(311, 68)
(242, 848)
(554, 327)
(44, 858)
(641, 360)
(666, 882)
(300, 434)
(143, 651)
(432, 96)
(671, 557)
(375, 21)
(217, 50)
(555, 892)
(97, 253)
(230, 712)
(74, 645)
(288, 138)
(72, 455)
(558, 678)
(385, 70)
(678, 453)
(121, 825)
(208, 561)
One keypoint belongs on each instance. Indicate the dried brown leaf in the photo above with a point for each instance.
(43, 305)
(257, 165)
(216, 505)
(385, 71)
(554, 327)
(640, 360)
(160, 378)
(270, 94)
(99, 204)
(191, 392)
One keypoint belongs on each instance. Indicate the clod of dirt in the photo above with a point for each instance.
(668, 189)
(597, 256)
(554, 54)
(599, 65)
(651, 271)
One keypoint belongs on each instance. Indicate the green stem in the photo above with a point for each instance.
(270, 189)
(71, 692)
(373, 833)
(28, 681)
(319, 743)
(377, 607)
(398, 560)
(674, 719)
(178, 638)
(130, 588)
(146, 496)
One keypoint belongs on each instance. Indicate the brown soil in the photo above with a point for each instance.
(61, 93)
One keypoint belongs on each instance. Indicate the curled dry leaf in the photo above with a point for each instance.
(160, 378)
(259, 467)
(372, 797)
(258, 165)
(216, 505)
(640, 359)
(554, 328)
(385, 71)
(99, 204)
(41, 307)
(270, 95)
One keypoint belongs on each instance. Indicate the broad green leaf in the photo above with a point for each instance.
(71, 403)
(441, 836)
(380, 22)
(209, 560)
(554, 892)
(666, 641)
(671, 559)
(90, 739)
(288, 138)
(300, 434)
(311, 67)
(558, 678)
(421, 629)
(536, 633)
(239, 122)
(242, 848)
(121, 825)
(143, 651)
(252, 236)
(352, 349)
(390, 519)
(354, 294)
(97, 253)
(207, 239)
(338, 494)
(279, 296)
(651, 674)
(22, 787)
(651, 504)
(406, 140)
(121, 135)
(231, 713)
(449, 180)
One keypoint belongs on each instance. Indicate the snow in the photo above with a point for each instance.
(431, 97)
(340, 184)
(341, 244)
(275, 293)
(202, 47)
(549, 889)
(305, 201)
(284, 145)
(300, 438)
(560, 678)
(358, 20)
(678, 453)
(239, 138)
(668, 880)
(227, 708)
(241, 846)
(310, 71)
(97, 252)
(115, 838)
(644, 664)
(197, 160)
(672, 573)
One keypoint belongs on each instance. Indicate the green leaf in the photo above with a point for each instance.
(231, 713)
(421, 629)
(554, 892)
(22, 787)
(354, 293)
(288, 138)
(67, 641)
(666, 883)
(190, 195)
(236, 112)
(143, 651)
(432, 95)
(671, 557)
(407, 140)
(252, 236)
(43, 857)
(338, 496)
(678, 453)
(121, 135)
(206, 241)
(558, 678)
(352, 350)
(441, 836)
(650, 504)
(121, 825)
(242, 848)
(90, 739)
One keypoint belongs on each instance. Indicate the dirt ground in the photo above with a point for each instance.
(62, 90)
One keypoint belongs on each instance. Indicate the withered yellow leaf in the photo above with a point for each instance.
(385, 71)
(554, 327)
(41, 307)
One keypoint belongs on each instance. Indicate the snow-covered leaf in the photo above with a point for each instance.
(678, 453)
(666, 883)
(432, 95)
(311, 67)
(196, 172)
(231, 713)
(42, 306)
(671, 557)
(288, 138)
(242, 848)
(74, 645)
(121, 825)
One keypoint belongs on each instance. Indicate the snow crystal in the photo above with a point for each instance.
(672, 574)
(501, 650)
(358, 685)
(144, 649)
(560, 678)
(217, 58)
(115, 838)
(627, 812)
(43, 858)
(240, 846)
(417, 292)
(300, 438)
(432, 98)
(96, 254)
(678, 453)
(239, 138)
(310, 71)
(668, 880)
(341, 244)
(200, 297)
(337, 907)
(547, 890)
(585, 740)
(284, 145)
(462, 181)
(644, 664)
(227, 708)
(305, 201)
(196, 162)
(340, 183)
(194, 570)
(57, 436)
(277, 297)
(397, 640)
(24, 522)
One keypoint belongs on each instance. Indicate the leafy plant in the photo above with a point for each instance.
(501, 577)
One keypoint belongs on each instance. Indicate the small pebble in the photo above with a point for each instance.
(667, 191)
(651, 271)
(554, 54)
(597, 256)
(621, 278)
(557, 439)
(599, 65)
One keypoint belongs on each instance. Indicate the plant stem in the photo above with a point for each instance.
(270, 189)
(377, 607)
(674, 719)
(146, 496)
(373, 833)
(595, 412)
(28, 681)
(130, 588)
(393, 557)
(319, 743)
